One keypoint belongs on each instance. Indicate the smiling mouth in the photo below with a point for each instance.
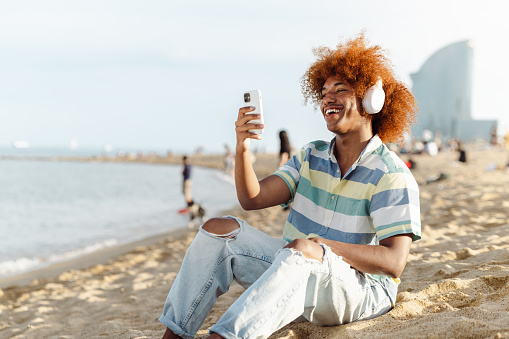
(331, 111)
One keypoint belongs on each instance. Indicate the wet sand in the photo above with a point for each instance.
(455, 285)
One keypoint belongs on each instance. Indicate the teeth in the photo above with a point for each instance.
(330, 111)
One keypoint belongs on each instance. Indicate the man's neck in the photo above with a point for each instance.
(348, 148)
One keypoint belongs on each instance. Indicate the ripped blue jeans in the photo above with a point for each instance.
(281, 286)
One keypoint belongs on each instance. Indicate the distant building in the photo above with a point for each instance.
(443, 89)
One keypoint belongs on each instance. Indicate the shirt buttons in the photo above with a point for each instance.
(331, 198)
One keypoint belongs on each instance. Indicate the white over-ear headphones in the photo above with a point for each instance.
(374, 98)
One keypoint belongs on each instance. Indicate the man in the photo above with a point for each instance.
(354, 215)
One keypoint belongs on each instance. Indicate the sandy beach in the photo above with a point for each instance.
(455, 285)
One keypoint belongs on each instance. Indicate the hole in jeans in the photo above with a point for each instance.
(228, 236)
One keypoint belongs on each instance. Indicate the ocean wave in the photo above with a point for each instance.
(22, 265)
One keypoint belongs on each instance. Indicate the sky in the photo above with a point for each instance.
(169, 75)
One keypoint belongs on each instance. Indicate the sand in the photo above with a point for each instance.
(455, 285)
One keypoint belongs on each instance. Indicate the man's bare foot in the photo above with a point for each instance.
(214, 336)
(170, 335)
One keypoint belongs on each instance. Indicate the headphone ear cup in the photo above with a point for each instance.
(374, 99)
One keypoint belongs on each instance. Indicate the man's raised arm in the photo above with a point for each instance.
(254, 194)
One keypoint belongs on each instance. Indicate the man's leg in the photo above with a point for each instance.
(220, 227)
(274, 300)
(211, 263)
(326, 292)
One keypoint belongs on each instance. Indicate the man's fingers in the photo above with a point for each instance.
(247, 126)
(244, 110)
(250, 135)
(246, 118)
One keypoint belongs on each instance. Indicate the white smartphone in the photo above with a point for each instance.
(254, 99)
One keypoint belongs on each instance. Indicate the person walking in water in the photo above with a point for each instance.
(354, 215)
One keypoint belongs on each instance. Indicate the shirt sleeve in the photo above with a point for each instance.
(290, 173)
(395, 206)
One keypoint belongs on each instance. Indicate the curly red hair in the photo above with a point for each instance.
(361, 66)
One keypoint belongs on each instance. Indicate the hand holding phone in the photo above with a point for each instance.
(254, 99)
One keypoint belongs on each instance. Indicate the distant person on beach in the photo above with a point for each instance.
(285, 150)
(194, 210)
(354, 215)
(506, 141)
(462, 152)
(187, 183)
(229, 161)
(494, 135)
(463, 155)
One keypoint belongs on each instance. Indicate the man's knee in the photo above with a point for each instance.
(308, 248)
(220, 225)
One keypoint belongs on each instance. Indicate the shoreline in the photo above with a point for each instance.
(101, 256)
(110, 253)
(88, 260)
(264, 164)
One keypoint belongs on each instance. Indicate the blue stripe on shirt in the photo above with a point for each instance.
(366, 175)
(392, 197)
(307, 226)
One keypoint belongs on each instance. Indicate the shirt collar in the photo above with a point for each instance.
(331, 149)
(372, 145)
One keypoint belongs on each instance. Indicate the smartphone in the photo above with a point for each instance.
(254, 99)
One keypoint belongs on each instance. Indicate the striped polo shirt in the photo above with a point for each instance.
(377, 198)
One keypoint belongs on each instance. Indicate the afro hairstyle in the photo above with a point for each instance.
(362, 66)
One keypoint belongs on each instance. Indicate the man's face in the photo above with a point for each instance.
(340, 107)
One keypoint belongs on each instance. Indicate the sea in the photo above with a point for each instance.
(56, 211)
